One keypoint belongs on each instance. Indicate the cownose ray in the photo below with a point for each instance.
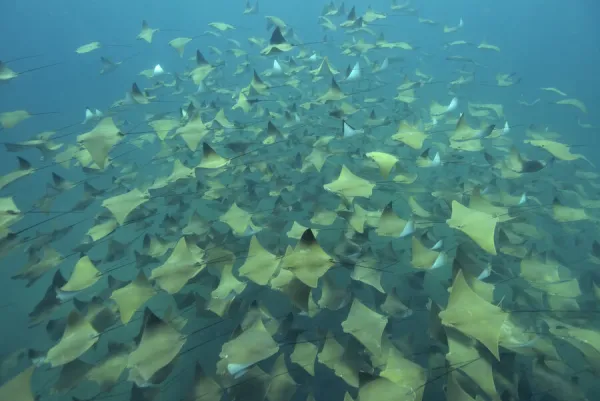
(185, 262)
(146, 32)
(277, 44)
(79, 336)
(84, 275)
(251, 346)
(122, 205)
(424, 258)
(100, 140)
(409, 377)
(282, 386)
(385, 161)
(89, 47)
(179, 44)
(18, 388)
(159, 344)
(204, 386)
(391, 225)
(410, 135)
(132, 296)
(556, 149)
(9, 214)
(305, 354)
(307, 261)
(229, 286)
(260, 265)
(107, 371)
(333, 355)
(211, 159)
(350, 186)
(251, 9)
(334, 93)
(470, 314)
(479, 226)
(366, 325)
(239, 220)
(471, 362)
(9, 119)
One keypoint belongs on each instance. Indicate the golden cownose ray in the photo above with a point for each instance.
(201, 72)
(211, 159)
(182, 265)
(334, 93)
(33, 271)
(260, 265)
(555, 90)
(6, 74)
(365, 325)
(9, 119)
(585, 339)
(158, 345)
(423, 258)
(253, 345)
(454, 390)
(131, 297)
(410, 135)
(467, 359)
(84, 275)
(277, 44)
(463, 131)
(556, 149)
(506, 79)
(333, 356)
(350, 186)
(332, 297)
(417, 209)
(146, 33)
(575, 103)
(179, 45)
(307, 261)
(324, 69)
(9, 214)
(193, 132)
(407, 96)
(222, 120)
(18, 388)
(478, 226)
(391, 225)
(545, 276)
(365, 271)
(221, 26)
(229, 286)
(163, 127)
(239, 220)
(78, 337)
(281, 386)
(385, 161)
(566, 214)
(101, 230)
(89, 47)
(121, 206)
(204, 387)
(106, 373)
(409, 377)
(477, 202)
(99, 141)
(305, 354)
(297, 230)
(470, 314)
(251, 9)
(517, 338)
